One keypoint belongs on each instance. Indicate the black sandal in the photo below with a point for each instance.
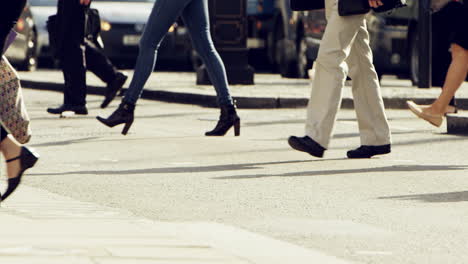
(27, 159)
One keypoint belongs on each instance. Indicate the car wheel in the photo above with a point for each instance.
(30, 61)
(303, 62)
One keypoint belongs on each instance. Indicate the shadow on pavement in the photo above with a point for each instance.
(397, 168)
(64, 142)
(433, 197)
(191, 169)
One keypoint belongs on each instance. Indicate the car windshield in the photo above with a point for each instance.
(54, 2)
(43, 2)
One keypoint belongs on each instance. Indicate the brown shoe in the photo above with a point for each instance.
(435, 120)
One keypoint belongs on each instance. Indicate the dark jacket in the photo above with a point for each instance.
(302, 5)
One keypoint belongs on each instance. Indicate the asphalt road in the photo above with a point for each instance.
(406, 207)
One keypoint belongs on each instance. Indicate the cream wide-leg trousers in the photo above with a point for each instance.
(345, 45)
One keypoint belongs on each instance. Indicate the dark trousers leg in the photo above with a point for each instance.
(98, 63)
(9, 14)
(71, 21)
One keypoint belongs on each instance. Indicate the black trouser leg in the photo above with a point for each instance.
(71, 21)
(98, 63)
(9, 14)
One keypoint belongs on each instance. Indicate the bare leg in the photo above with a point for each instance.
(11, 149)
(456, 75)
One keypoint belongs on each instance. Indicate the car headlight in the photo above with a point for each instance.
(105, 26)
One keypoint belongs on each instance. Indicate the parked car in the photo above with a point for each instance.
(288, 40)
(291, 39)
(23, 51)
(388, 33)
(41, 10)
(122, 23)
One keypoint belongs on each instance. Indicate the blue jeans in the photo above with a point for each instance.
(196, 18)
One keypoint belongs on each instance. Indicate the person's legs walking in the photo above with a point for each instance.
(368, 103)
(196, 17)
(456, 75)
(19, 159)
(98, 63)
(458, 68)
(345, 39)
(71, 20)
(163, 15)
(328, 80)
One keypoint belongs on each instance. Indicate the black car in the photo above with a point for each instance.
(388, 36)
(287, 40)
(291, 39)
(23, 51)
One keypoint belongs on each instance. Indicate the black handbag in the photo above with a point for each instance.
(355, 7)
(390, 5)
(92, 30)
(304, 5)
(93, 24)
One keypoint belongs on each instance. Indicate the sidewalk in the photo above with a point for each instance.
(38, 227)
(269, 91)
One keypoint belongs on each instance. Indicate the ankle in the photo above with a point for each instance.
(129, 107)
(10, 149)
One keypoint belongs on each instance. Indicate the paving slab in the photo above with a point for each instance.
(49, 228)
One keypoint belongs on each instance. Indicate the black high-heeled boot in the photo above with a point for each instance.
(27, 160)
(227, 119)
(123, 115)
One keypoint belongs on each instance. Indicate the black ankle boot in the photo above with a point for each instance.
(227, 119)
(123, 115)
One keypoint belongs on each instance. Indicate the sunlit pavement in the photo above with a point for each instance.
(406, 207)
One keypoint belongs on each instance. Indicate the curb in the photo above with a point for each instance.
(242, 101)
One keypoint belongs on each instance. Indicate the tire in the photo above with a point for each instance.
(30, 61)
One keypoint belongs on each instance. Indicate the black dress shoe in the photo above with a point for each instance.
(306, 144)
(77, 109)
(113, 88)
(366, 152)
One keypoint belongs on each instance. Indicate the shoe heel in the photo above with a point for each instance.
(237, 127)
(126, 128)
